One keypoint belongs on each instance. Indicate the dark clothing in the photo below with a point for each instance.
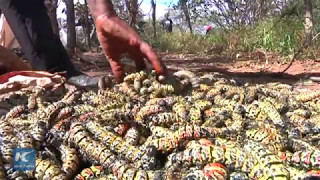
(31, 26)
(167, 25)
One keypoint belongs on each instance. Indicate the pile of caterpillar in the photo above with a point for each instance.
(143, 128)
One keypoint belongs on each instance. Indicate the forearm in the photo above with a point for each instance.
(101, 7)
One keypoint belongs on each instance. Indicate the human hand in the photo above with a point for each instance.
(116, 38)
(10, 62)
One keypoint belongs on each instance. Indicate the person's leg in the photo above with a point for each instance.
(18, 27)
(44, 51)
(47, 45)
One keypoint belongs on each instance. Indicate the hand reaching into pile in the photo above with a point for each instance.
(117, 37)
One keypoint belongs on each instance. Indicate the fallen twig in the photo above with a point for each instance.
(306, 44)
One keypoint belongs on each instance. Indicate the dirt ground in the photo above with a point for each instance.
(247, 70)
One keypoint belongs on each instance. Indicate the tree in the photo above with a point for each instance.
(308, 20)
(87, 24)
(232, 13)
(186, 13)
(82, 13)
(153, 4)
(262, 11)
(52, 13)
(133, 10)
(71, 27)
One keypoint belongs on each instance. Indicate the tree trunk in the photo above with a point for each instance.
(71, 41)
(186, 13)
(87, 25)
(133, 12)
(52, 13)
(153, 4)
(308, 20)
(262, 9)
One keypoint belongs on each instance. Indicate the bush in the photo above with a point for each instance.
(183, 43)
(281, 38)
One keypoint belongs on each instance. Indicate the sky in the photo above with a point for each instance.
(162, 6)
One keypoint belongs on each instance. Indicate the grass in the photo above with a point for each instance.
(282, 38)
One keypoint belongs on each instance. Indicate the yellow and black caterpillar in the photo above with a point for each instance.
(197, 156)
(70, 160)
(46, 169)
(117, 144)
(309, 160)
(269, 165)
(90, 173)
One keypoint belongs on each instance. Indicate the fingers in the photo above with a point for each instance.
(138, 60)
(116, 67)
(157, 64)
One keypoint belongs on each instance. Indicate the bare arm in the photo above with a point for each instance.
(116, 38)
(101, 7)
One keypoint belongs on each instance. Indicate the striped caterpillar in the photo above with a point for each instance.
(159, 131)
(166, 101)
(304, 97)
(200, 142)
(299, 145)
(220, 101)
(15, 111)
(251, 94)
(198, 94)
(129, 90)
(70, 160)
(269, 165)
(195, 116)
(65, 113)
(131, 77)
(122, 128)
(2, 170)
(231, 91)
(107, 93)
(82, 109)
(9, 141)
(273, 140)
(32, 101)
(162, 91)
(90, 172)
(309, 160)
(181, 111)
(91, 149)
(49, 113)
(197, 156)
(46, 169)
(216, 171)
(272, 112)
(164, 118)
(121, 147)
(238, 176)
(72, 98)
(132, 136)
(96, 152)
(216, 90)
(147, 111)
(187, 132)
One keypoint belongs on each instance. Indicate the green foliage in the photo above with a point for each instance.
(280, 37)
(283, 37)
(186, 43)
